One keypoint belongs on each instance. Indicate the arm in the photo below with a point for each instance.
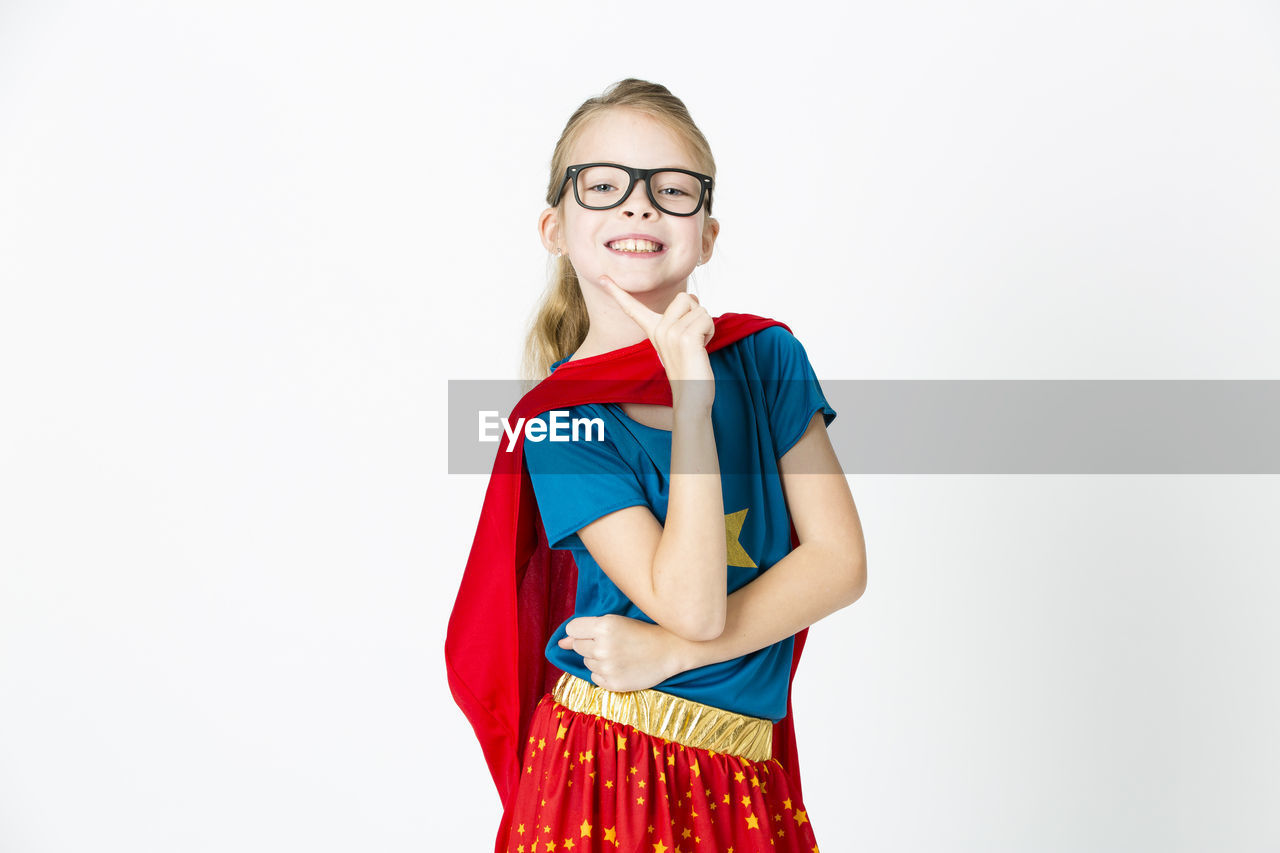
(827, 571)
(824, 573)
(676, 574)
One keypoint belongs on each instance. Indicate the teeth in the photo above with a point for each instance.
(635, 246)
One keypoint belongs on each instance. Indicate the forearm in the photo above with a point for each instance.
(810, 583)
(689, 565)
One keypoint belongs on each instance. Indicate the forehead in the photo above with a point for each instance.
(631, 138)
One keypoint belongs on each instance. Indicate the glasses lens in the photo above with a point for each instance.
(603, 186)
(676, 192)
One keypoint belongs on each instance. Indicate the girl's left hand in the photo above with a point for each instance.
(624, 654)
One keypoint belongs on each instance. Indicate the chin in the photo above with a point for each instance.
(638, 281)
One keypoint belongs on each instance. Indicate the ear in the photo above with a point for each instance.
(710, 230)
(549, 229)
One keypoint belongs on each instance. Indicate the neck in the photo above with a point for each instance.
(610, 327)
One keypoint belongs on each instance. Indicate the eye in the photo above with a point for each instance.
(601, 187)
(672, 191)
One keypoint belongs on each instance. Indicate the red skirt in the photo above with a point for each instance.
(591, 784)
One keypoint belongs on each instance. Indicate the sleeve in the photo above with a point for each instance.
(791, 389)
(578, 481)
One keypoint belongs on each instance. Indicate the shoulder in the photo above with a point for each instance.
(773, 347)
(774, 336)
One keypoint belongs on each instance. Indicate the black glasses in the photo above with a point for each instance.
(600, 186)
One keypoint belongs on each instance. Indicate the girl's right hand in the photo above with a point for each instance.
(680, 335)
(624, 654)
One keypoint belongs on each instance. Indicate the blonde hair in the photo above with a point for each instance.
(560, 321)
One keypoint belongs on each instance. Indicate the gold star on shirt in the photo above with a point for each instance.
(732, 530)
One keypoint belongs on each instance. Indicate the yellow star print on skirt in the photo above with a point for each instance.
(650, 772)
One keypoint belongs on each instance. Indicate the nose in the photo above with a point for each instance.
(638, 200)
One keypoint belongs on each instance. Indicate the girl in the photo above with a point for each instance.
(707, 522)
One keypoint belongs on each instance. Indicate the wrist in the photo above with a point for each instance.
(692, 403)
(682, 654)
(692, 419)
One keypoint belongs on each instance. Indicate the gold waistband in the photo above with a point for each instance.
(671, 718)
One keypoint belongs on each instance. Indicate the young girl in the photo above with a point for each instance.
(664, 564)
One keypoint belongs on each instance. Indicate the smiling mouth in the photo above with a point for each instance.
(635, 247)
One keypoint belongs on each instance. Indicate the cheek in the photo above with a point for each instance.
(693, 239)
(583, 234)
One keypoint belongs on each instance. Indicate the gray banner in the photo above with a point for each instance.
(982, 426)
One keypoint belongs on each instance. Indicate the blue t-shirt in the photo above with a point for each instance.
(766, 394)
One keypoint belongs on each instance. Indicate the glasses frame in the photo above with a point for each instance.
(705, 182)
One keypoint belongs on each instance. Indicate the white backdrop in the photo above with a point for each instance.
(244, 245)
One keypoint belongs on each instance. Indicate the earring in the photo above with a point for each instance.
(559, 252)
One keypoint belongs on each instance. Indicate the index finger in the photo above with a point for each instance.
(646, 318)
(582, 627)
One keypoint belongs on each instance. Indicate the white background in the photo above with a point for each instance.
(244, 245)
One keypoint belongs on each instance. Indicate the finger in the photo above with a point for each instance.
(679, 307)
(708, 329)
(582, 627)
(705, 323)
(698, 322)
(646, 318)
(600, 670)
(697, 314)
(677, 310)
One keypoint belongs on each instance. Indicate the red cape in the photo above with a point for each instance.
(515, 591)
